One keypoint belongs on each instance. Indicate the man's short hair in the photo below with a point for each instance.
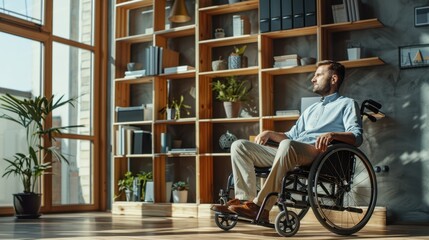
(334, 68)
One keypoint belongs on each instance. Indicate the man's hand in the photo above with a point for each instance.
(263, 137)
(323, 141)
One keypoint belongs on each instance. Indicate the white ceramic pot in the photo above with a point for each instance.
(180, 196)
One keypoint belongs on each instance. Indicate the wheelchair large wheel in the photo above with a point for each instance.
(342, 189)
(225, 221)
(287, 225)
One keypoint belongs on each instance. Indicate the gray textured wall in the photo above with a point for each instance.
(400, 140)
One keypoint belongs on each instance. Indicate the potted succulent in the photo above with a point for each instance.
(237, 59)
(31, 165)
(180, 192)
(232, 92)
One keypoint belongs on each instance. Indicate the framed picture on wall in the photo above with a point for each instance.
(414, 56)
(421, 16)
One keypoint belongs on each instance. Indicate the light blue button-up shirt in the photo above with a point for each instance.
(334, 113)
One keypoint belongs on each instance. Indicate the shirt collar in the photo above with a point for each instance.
(330, 98)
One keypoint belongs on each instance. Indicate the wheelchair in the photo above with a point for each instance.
(340, 187)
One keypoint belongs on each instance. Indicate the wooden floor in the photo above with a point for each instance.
(108, 226)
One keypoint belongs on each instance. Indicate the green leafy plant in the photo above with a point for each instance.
(239, 51)
(178, 106)
(180, 186)
(143, 178)
(31, 114)
(126, 183)
(232, 90)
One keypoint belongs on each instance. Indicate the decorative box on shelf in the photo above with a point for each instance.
(132, 114)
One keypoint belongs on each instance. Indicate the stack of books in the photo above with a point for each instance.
(135, 74)
(347, 11)
(178, 69)
(290, 60)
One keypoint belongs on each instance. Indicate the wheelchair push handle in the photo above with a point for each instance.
(372, 106)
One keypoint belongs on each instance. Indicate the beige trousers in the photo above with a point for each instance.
(246, 155)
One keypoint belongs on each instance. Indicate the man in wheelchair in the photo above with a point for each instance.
(334, 118)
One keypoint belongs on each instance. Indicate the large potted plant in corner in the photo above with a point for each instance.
(232, 92)
(29, 166)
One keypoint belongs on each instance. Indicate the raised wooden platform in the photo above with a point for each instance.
(144, 209)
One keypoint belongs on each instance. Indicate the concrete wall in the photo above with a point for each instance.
(400, 140)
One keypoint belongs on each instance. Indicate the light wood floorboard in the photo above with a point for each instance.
(98, 225)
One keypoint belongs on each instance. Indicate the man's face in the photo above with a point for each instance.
(322, 81)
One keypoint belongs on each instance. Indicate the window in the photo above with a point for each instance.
(29, 10)
(34, 62)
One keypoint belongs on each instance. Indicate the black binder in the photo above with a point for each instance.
(310, 13)
(298, 13)
(142, 143)
(287, 17)
(275, 15)
(264, 16)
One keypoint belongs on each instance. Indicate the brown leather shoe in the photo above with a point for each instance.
(224, 208)
(250, 210)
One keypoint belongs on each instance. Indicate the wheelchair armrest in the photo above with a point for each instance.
(272, 143)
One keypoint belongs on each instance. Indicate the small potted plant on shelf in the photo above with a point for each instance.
(31, 165)
(237, 59)
(180, 192)
(175, 108)
(232, 92)
(145, 179)
(126, 185)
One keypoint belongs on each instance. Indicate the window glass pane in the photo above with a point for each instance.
(30, 10)
(73, 183)
(74, 20)
(73, 77)
(20, 63)
(11, 137)
(20, 76)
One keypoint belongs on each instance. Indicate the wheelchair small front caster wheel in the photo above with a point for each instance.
(225, 221)
(287, 225)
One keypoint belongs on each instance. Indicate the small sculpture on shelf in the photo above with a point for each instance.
(219, 33)
(226, 140)
(219, 64)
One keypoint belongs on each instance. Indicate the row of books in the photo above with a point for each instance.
(348, 11)
(290, 60)
(133, 140)
(155, 60)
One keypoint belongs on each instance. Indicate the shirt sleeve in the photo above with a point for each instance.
(353, 122)
(296, 129)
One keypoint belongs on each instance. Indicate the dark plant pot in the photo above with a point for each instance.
(27, 205)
